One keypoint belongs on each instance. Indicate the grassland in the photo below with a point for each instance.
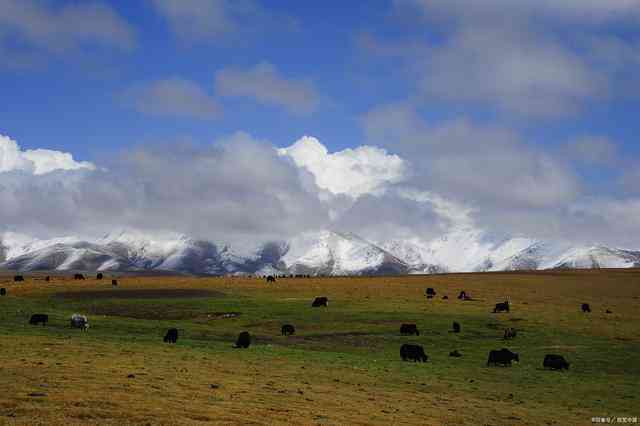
(341, 367)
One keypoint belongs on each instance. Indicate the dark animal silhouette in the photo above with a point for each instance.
(608, 311)
(271, 279)
(114, 283)
(409, 329)
(78, 277)
(171, 336)
(18, 278)
(413, 353)
(555, 362)
(430, 293)
(244, 340)
(509, 333)
(501, 307)
(502, 357)
(462, 295)
(456, 327)
(455, 354)
(3, 291)
(47, 278)
(288, 330)
(320, 301)
(99, 276)
(445, 297)
(39, 319)
(586, 307)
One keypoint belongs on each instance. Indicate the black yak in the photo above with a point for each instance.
(414, 353)
(501, 307)
(409, 329)
(555, 362)
(244, 340)
(502, 357)
(288, 330)
(320, 301)
(171, 336)
(39, 319)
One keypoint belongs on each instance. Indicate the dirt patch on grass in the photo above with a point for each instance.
(168, 293)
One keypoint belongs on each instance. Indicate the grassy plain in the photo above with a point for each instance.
(341, 367)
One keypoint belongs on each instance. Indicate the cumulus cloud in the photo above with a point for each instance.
(238, 188)
(45, 28)
(172, 97)
(37, 161)
(486, 164)
(353, 172)
(266, 85)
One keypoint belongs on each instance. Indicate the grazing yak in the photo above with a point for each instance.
(555, 362)
(509, 333)
(271, 279)
(99, 276)
(3, 291)
(430, 293)
(114, 283)
(409, 329)
(171, 335)
(445, 297)
(502, 357)
(47, 278)
(456, 327)
(455, 354)
(78, 277)
(79, 321)
(244, 340)
(414, 353)
(501, 307)
(18, 278)
(586, 307)
(608, 311)
(288, 330)
(39, 319)
(320, 301)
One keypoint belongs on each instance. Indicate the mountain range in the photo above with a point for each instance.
(317, 253)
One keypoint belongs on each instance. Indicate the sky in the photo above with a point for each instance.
(252, 119)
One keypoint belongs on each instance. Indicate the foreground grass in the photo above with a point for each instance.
(341, 367)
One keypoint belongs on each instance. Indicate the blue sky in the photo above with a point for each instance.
(476, 97)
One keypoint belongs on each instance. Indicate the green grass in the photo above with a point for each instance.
(359, 336)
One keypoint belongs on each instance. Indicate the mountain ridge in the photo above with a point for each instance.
(322, 252)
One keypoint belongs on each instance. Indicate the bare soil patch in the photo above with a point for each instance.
(169, 293)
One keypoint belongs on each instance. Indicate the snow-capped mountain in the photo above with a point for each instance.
(316, 253)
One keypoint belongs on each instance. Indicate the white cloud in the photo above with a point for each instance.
(212, 20)
(44, 28)
(517, 72)
(38, 161)
(175, 97)
(237, 188)
(266, 85)
(581, 12)
(529, 58)
(353, 172)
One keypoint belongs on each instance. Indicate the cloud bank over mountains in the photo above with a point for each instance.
(453, 177)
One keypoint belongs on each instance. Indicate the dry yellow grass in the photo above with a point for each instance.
(326, 379)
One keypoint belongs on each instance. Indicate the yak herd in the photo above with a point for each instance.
(408, 352)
